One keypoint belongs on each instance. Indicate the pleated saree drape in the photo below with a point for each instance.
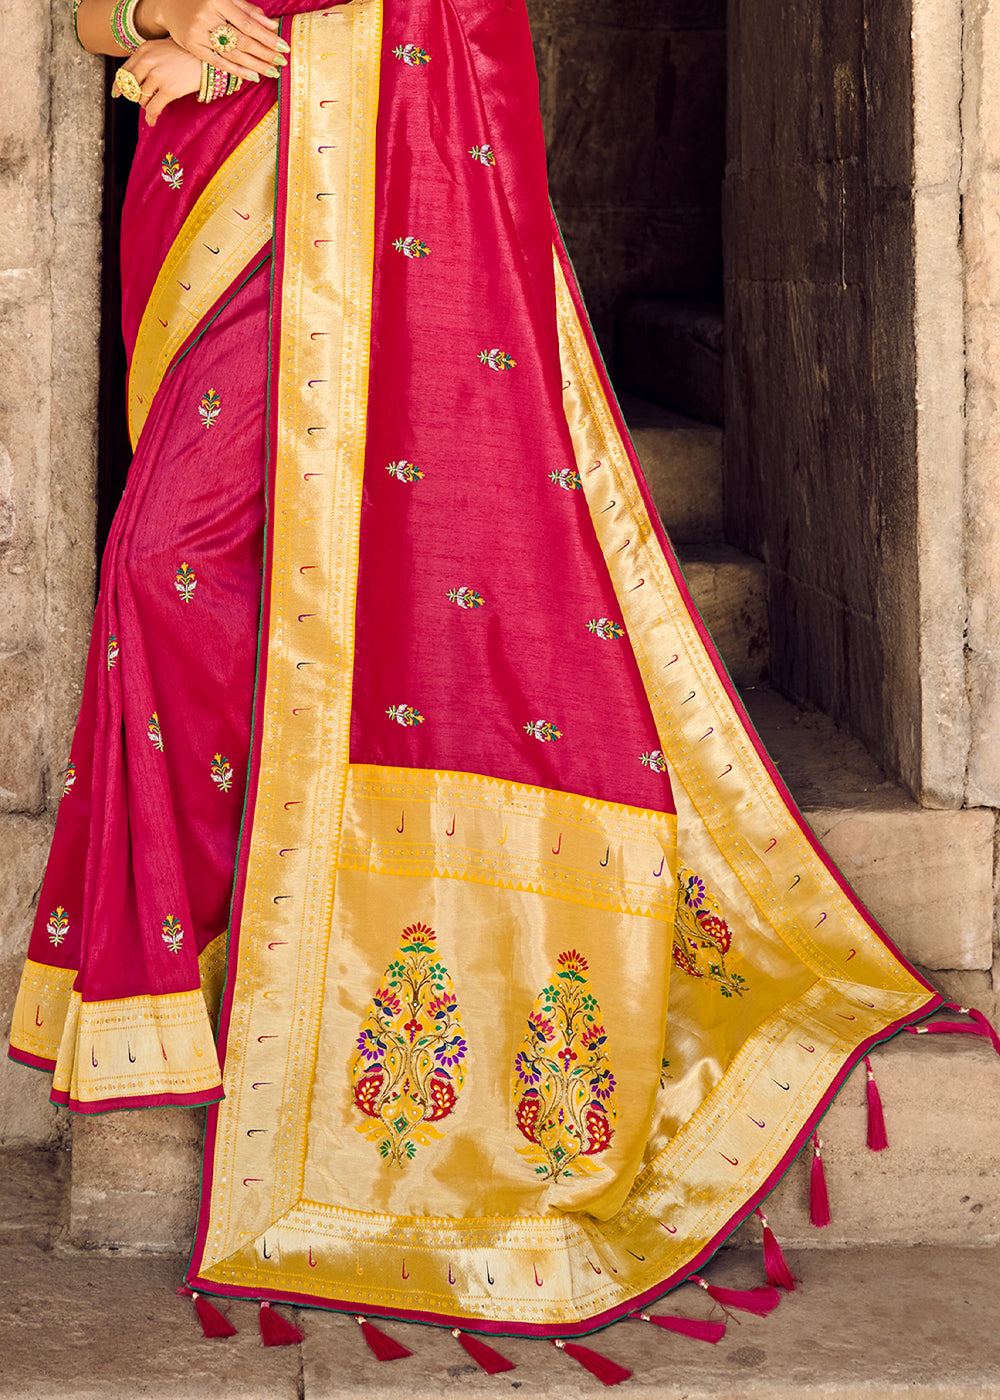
(534, 979)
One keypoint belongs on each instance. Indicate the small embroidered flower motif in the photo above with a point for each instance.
(568, 479)
(604, 627)
(497, 359)
(466, 597)
(112, 650)
(484, 154)
(209, 408)
(222, 772)
(172, 171)
(411, 247)
(541, 729)
(153, 732)
(70, 777)
(57, 926)
(655, 760)
(405, 471)
(185, 582)
(405, 714)
(173, 934)
(412, 55)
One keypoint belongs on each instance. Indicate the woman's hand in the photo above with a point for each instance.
(258, 51)
(165, 72)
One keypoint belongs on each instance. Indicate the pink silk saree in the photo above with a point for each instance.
(533, 980)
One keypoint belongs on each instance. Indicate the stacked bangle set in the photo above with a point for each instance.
(214, 82)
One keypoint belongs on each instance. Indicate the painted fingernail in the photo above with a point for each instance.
(281, 61)
(282, 47)
(252, 77)
(272, 73)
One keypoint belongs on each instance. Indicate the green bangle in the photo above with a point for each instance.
(123, 25)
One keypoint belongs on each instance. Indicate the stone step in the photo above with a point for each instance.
(671, 352)
(925, 874)
(730, 591)
(864, 1323)
(682, 461)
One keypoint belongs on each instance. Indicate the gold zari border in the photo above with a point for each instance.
(231, 221)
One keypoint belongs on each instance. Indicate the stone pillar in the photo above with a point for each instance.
(50, 206)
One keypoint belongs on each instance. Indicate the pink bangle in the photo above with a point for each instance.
(123, 25)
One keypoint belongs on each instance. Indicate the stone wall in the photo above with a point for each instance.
(633, 97)
(821, 415)
(50, 201)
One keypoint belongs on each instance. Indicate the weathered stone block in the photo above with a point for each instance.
(21, 714)
(135, 1179)
(682, 462)
(671, 352)
(728, 590)
(939, 1180)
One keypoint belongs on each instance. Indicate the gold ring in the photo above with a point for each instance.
(223, 40)
(128, 85)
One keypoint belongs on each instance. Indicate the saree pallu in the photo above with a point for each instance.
(534, 979)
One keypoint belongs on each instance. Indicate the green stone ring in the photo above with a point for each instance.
(223, 40)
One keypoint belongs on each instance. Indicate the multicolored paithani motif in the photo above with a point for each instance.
(411, 247)
(172, 171)
(484, 154)
(70, 777)
(408, 1066)
(497, 359)
(405, 715)
(173, 934)
(57, 926)
(568, 478)
(654, 760)
(185, 582)
(153, 731)
(222, 772)
(605, 628)
(544, 731)
(112, 650)
(702, 937)
(466, 597)
(564, 1087)
(405, 471)
(209, 407)
(412, 55)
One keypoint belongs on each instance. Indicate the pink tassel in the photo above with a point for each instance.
(878, 1141)
(775, 1264)
(985, 1028)
(819, 1200)
(213, 1322)
(491, 1361)
(608, 1372)
(275, 1331)
(759, 1301)
(686, 1326)
(386, 1348)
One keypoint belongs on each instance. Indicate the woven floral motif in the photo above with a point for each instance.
(484, 154)
(69, 778)
(172, 171)
(605, 628)
(542, 730)
(222, 772)
(153, 732)
(209, 407)
(411, 247)
(497, 359)
(702, 937)
(655, 760)
(112, 650)
(405, 471)
(408, 1064)
(563, 1084)
(567, 478)
(466, 597)
(405, 715)
(57, 926)
(185, 582)
(412, 55)
(173, 934)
